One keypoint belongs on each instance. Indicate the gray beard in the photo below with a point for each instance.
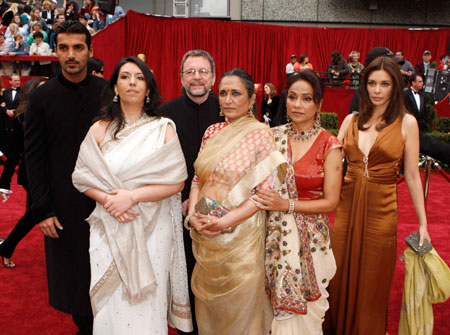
(201, 94)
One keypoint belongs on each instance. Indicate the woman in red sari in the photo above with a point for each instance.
(299, 261)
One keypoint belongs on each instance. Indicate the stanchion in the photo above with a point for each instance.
(442, 171)
(428, 163)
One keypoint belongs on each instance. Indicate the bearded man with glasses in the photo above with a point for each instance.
(192, 113)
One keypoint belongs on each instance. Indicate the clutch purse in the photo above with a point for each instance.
(413, 242)
(208, 206)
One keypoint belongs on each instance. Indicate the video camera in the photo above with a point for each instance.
(437, 82)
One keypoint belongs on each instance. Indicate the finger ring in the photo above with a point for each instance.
(209, 221)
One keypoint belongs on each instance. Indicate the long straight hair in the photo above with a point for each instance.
(396, 106)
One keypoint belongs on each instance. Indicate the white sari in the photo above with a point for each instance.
(138, 269)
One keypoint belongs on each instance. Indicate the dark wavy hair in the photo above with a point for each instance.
(112, 111)
(396, 106)
(310, 77)
(245, 77)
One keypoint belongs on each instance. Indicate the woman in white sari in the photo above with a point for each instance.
(132, 165)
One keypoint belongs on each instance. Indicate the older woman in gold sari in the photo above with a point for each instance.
(236, 158)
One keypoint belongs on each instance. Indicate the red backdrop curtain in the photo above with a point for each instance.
(263, 50)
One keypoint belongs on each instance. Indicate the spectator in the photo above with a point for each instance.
(9, 14)
(60, 18)
(422, 67)
(118, 12)
(84, 22)
(303, 63)
(290, 66)
(48, 14)
(406, 68)
(40, 48)
(25, 15)
(269, 104)
(12, 30)
(35, 28)
(97, 21)
(71, 11)
(444, 60)
(337, 69)
(36, 17)
(87, 8)
(23, 27)
(3, 28)
(355, 68)
(4, 5)
(7, 67)
(20, 47)
(95, 66)
(52, 41)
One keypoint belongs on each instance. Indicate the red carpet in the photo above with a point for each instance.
(24, 299)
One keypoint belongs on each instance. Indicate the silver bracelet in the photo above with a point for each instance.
(131, 197)
(291, 206)
(187, 225)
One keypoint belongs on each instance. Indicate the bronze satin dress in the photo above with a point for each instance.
(364, 234)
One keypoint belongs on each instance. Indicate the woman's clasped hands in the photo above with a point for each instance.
(207, 225)
(118, 204)
(270, 200)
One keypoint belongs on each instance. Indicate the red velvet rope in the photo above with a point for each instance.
(442, 171)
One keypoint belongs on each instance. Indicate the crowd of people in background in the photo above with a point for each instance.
(254, 198)
(341, 73)
(30, 30)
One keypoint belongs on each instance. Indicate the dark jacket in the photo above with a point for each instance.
(191, 121)
(58, 116)
(411, 105)
(270, 111)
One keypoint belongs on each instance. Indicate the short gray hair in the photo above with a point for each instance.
(198, 53)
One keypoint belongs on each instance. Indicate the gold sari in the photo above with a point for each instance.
(228, 278)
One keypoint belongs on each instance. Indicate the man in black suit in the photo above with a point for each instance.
(58, 116)
(415, 100)
(11, 99)
(415, 103)
(193, 113)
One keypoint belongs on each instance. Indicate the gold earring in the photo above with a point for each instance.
(250, 109)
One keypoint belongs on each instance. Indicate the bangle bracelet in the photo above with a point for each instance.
(187, 225)
(291, 206)
(131, 197)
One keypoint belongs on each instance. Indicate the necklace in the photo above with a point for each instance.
(304, 134)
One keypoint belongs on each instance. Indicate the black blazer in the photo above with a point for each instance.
(411, 105)
(7, 97)
(273, 109)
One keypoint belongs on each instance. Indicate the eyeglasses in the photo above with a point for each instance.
(191, 72)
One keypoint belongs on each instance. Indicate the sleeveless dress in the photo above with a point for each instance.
(364, 234)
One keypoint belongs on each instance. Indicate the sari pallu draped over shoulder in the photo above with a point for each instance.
(131, 265)
(228, 279)
(290, 276)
